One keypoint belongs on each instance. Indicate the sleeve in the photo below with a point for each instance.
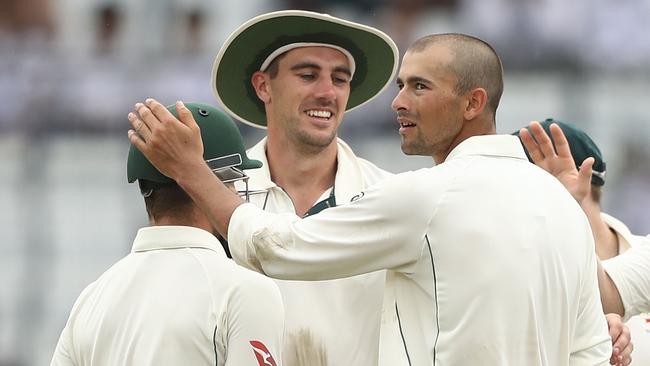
(383, 229)
(254, 324)
(592, 344)
(62, 353)
(630, 272)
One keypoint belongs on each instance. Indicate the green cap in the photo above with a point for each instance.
(223, 146)
(262, 38)
(581, 146)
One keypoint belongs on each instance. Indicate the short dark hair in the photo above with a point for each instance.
(274, 67)
(165, 199)
(476, 64)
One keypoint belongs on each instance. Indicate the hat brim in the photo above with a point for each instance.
(376, 57)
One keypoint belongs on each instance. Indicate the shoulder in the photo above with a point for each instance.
(253, 285)
(371, 172)
(406, 193)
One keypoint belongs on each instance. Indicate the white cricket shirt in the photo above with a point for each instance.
(493, 260)
(630, 272)
(176, 299)
(342, 316)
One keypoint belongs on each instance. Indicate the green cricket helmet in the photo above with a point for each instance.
(223, 148)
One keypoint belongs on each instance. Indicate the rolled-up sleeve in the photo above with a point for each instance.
(630, 272)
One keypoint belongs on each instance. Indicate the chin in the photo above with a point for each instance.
(412, 150)
(406, 149)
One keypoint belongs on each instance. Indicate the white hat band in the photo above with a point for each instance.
(291, 46)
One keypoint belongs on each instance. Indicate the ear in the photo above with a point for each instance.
(476, 103)
(260, 81)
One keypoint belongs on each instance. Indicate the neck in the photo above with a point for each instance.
(191, 218)
(303, 173)
(476, 127)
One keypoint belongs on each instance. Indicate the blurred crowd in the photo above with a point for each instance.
(79, 65)
(71, 70)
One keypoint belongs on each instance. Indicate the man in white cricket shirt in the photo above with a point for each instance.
(288, 72)
(177, 299)
(485, 273)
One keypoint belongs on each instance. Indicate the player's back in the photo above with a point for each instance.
(168, 306)
(514, 264)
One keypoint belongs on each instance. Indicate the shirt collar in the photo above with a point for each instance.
(348, 181)
(260, 178)
(490, 145)
(175, 237)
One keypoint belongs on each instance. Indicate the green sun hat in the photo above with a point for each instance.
(223, 146)
(581, 146)
(374, 54)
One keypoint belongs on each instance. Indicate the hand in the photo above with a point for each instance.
(621, 341)
(173, 146)
(560, 163)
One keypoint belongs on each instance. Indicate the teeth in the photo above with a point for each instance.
(321, 114)
(407, 124)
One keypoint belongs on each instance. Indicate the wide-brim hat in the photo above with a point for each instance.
(375, 54)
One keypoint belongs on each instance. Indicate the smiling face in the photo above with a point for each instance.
(306, 100)
(429, 111)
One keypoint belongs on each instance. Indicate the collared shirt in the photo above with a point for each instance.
(630, 272)
(338, 320)
(493, 260)
(176, 299)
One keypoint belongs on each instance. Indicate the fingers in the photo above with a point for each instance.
(139, 127)
(584, 173)
(561, 144)
(543, 140)
(185, 115)
(531, 146)
(626, 355)
(621, 340)
(136, 140)
(158, 111)
(148, 117)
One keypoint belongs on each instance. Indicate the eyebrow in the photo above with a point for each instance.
(311, 65)
(415, 79)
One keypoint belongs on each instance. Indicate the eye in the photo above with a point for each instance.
(420, 86)
(400, 86)
(340, 80)
(308, 76)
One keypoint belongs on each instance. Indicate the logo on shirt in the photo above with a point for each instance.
(357, 197)
(262, 354)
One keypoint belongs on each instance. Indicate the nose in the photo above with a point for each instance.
(325, 89)
(399, 102)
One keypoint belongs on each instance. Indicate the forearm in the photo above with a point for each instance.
(609, 295)
(212, 196)
(366, 235)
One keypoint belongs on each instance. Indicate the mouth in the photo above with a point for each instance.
(404, 124)
(321, 114)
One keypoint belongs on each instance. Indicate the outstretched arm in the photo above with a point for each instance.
(173, 145)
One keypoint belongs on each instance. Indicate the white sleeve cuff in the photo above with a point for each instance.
(240, 231)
